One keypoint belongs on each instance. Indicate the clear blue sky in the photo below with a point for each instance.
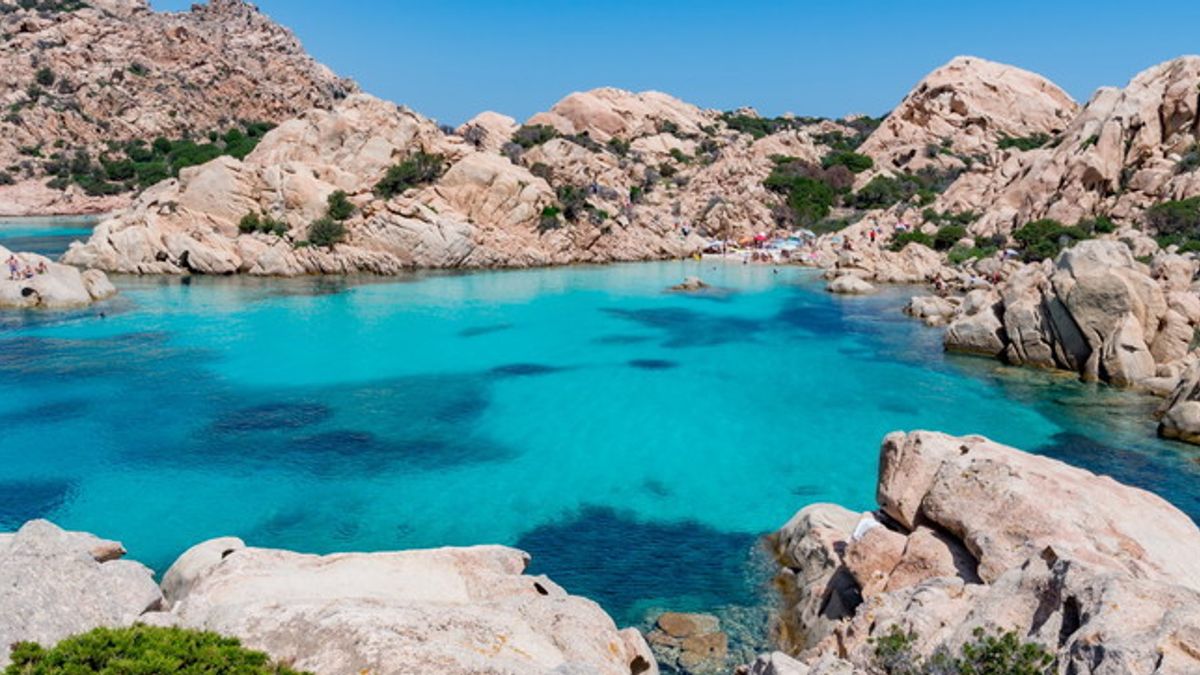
(449, 59)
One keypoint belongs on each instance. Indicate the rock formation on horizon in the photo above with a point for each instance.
(92, 79)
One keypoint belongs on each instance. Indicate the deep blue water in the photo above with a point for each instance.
(636, 442)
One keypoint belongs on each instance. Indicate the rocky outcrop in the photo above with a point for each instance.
(963, 110)
(464, 610)
(39, 283)
(1122, 153)
(1180, 413)
(118, 71)
(57, 584)
(1107, 579)
(850, 285)
(609, 113)
(562, 201)
(1095, 310)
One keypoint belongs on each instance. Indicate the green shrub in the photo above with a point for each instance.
(679, 156)
(254, 222)
(1097, 225)
(1001, 654)
(339, 206)
(618, 146)
(419, 169)
(572, 200)
(530, 136)
(961, 254)
(549, 219)
(1181, 217)
(326, 232)
(1024, 143)
(911, 237)
(851, 160)
(1045, 238)
(45, 77)
(143, 649)
(138, 69)
(882, 192)
(947, 236)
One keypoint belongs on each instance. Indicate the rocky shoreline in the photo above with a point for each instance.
(969, 535)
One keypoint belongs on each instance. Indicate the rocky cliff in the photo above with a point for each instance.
(973, 535)
(91, 77)
(468, 610)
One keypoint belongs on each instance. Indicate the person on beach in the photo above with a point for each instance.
(14, 266)
(41, 267)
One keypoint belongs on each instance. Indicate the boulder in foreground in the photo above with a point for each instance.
(28, 280)
(974, 535)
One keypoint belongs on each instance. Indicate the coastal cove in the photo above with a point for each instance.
(580, 413)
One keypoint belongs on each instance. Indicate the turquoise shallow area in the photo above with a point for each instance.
(636, 442)
(49, 236)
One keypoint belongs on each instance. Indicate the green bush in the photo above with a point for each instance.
(1024, 143)
(326, 232)
(143, 649)
(1181, 217)
(419, 169)
(1045, 238)
(45, 77)
(947, 236)
(618, 146)
(254, 222)
(882, 192)
(679, 156)
(911, 237)
(530, 136)
(1001, 654)
(1097, 225)
(339, 205)
(960, 254)
(851, 160)
(549, 219)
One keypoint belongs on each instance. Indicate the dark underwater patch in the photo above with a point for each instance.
(55, 412)
(685, 328)
(653, 364)
(478, 331)
(268, 416)
(622, 339)
(620, 561)
(25, 500)
(656, 488)
(523, 370)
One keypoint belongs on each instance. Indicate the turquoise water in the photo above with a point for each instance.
(636, 442)
(49, 236)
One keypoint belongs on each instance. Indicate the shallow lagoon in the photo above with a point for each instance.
(636, 442)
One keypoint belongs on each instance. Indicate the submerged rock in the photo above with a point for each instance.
(690, 643)
(974, 534)
(690, 284)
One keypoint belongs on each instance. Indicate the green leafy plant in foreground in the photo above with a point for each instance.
(143, 649)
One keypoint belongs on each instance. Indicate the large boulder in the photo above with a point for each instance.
(57, 584)
(975, 535)
(468, 610)
(44, 284)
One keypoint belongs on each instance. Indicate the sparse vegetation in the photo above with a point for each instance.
(530, 136)
(143, 649)
(1190, 161)
(1176, 223)
(45, 77)
(420, 168)
(1045, 238)
(255, 222)
(1024, 143)
(134, 164)
(339, 205)
(853, 161)
(911, 237)
(988, 654)
(326, 232)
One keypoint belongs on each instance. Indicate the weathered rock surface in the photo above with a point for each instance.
(850, 285)
(57, 584)
(1095, 310)
(122, 72)
(48, 285)
(1107, 578)
(469, 610)
(963, 109)
(1121, 154)
(451, 610)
